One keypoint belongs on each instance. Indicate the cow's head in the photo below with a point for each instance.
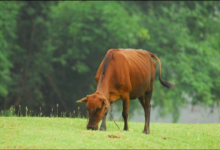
(96, 105)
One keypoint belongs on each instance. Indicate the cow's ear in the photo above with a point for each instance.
(83, 100)
(106, 102)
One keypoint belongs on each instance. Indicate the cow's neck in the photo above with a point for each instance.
(103, 87)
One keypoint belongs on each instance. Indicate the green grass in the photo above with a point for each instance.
(71, 133)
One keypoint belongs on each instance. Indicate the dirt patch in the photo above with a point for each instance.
(114, 136)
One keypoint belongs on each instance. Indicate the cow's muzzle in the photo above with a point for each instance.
(91, 128)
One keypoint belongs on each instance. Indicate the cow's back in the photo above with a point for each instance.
(127, 70)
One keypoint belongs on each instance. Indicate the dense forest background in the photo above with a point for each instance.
(50, 50)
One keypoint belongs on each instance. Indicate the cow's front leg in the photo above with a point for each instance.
(103, 125)
(126, 101)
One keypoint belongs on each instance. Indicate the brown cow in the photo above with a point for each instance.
(123, 74)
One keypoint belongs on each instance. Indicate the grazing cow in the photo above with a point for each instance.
(123, 74)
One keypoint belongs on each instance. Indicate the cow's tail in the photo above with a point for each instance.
(168, 85)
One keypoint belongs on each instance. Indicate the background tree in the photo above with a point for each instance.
(185, 36)
(8, 23)
(27, 54)
(50, 51)
(81, 34)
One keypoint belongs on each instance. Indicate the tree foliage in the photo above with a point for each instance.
(81, 34)
(8, 18)
(50, 51)
(185, 37)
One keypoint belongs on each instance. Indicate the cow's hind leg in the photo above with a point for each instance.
(147, 111)
(126, 101)
(103, 125)
(145, 102)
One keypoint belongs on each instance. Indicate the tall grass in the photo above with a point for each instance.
(18, 112)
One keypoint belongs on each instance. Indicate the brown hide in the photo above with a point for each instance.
(123, 74)
(128, 72)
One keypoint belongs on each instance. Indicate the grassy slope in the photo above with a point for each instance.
(36, 132)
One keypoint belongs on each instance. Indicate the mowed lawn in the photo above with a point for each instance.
(71, 133)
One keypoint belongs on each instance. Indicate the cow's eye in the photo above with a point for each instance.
(99, 108)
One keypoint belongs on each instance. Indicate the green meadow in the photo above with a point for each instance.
(71, 133)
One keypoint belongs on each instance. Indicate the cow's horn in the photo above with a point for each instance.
(83, 100)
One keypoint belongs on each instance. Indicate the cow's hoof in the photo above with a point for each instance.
(102, 129)
(146, 132)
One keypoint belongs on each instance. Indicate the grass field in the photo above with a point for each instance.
(71, 133)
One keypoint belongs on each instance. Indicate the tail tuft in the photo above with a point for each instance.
(168, 85)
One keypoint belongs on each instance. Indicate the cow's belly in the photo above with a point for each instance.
(140, 88)
(139, 85)
(138, 92)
